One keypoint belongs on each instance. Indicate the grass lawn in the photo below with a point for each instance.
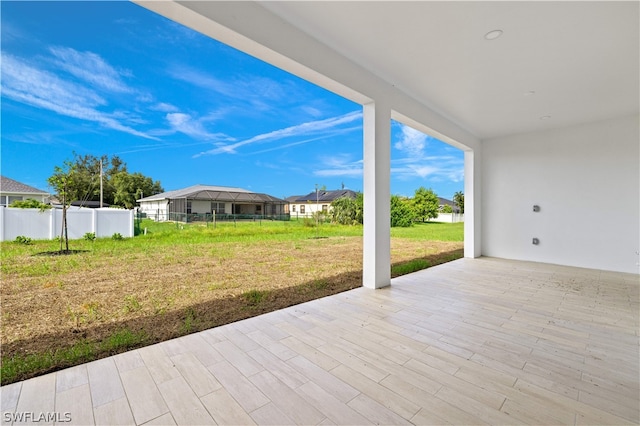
(114, 295)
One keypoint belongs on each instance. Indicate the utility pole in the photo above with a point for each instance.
(101, 159)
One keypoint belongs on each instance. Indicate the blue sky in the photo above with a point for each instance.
(111, 78)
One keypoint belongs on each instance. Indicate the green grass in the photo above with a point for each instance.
(409, 267)
(172, 241)
(83, 351)
(161, 235)
(254, 297)
(431, 231)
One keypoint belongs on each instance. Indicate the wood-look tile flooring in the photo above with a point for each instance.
(473, 341)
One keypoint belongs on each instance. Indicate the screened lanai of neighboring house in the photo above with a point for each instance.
(203, 202)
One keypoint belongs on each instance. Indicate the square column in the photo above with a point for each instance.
(472, 199)
(377, 195)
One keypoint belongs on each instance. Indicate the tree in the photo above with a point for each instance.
(447, 209)
(458, 199)
(401, 212)
(347, 211)
(130, 187)
(120, 187)
(425, 204)
(64, 184)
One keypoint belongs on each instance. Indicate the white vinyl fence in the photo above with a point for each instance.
(47, 225)
(449, 218)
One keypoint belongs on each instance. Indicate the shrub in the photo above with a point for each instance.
(401, 212)
(90, 236)
(23, 240)
(117, 236)
(30, 203)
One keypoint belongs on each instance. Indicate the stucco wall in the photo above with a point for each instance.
(586, 181)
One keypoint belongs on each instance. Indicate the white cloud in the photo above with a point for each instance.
(184, 123)
(91, 68)
(42, 89)
(257, 91)
(339, 165)
(163, 107)
(412, 141)
(434, 168)
(322, 127)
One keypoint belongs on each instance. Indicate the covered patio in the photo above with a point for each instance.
(474, 341)
(543, 99)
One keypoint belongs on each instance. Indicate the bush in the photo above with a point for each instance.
(23, 240)
(309, 222)
(401, 212)
(30, 203)
(90, 236)
(347, 211)
(117, 236)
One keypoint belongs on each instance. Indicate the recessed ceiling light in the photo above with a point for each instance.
(492, 35)
(545, 117)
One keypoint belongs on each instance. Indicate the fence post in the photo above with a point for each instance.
(94, 221)
(132, 231)
(52, 223)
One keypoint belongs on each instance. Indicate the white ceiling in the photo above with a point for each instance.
(580, 58)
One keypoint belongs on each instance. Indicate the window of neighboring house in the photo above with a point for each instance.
(188, 207)
(12, 198)
(217, 207)
(302, 208)
(325, 207)
(293, 208)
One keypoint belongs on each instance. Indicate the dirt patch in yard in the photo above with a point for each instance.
(174, 292)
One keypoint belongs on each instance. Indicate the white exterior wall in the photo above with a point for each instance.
(586, 181)
(449, 218)
(156, 210)
(200, 206)
(7, 198)
(39, 225)
(309, 209)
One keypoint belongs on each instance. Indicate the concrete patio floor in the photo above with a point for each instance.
(473, 341)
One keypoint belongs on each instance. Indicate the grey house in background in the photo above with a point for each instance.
(12, 190)
(201, 202)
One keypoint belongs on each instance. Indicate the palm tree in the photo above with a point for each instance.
(458, 199)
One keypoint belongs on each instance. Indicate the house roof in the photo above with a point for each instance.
(13, 186)
(213, 193)
(89, 204)
(292, 198)
(324, 196)
(445, 202)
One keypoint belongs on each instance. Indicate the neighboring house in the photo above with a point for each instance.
(289, 200)
(307, 205)
(12, 190)
(206, 200)
(444, 202)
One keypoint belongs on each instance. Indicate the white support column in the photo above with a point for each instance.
(472, 200)
(377, 193)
